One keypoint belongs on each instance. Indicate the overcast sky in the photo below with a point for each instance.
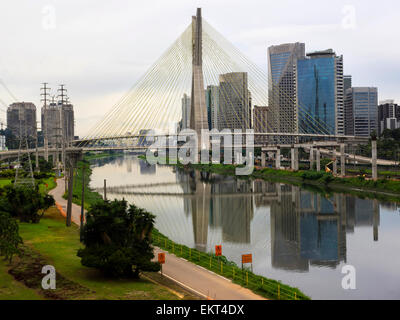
(99, 48)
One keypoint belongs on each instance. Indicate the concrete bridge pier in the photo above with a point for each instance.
(311, 158)
(334, 165)
(278, 158)
(295, 158)
(238, 158)
(263, 163)
(342, 161)
(318, 159)
(373, 160)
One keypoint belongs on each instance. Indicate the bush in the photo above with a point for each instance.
(25, 203)
(9, 237)
(42, 175)
(118, 239)
(312, 175)
(7, 173)
(327, 178)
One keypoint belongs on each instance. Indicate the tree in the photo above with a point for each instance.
(44, 166)
(118, 239)
(27, 204)
(9, 237)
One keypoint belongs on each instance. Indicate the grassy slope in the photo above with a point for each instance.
(10, 289)
(51, 184)
(59, 245)
(90, 196)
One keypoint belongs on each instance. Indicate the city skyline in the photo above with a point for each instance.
(99, 64)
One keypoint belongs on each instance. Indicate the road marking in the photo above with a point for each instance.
(181, 296)
(185, 286)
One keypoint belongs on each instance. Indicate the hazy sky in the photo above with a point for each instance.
(99, 48)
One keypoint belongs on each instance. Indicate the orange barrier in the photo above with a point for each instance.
(61, 209)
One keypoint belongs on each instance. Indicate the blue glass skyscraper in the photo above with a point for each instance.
(320, 93)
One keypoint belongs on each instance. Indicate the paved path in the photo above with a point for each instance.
(202, 281)
(61, 203)
(197, 279)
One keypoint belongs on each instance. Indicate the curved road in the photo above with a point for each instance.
(197, 279)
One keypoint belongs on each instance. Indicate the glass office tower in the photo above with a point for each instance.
(320, 93)
(282, 61)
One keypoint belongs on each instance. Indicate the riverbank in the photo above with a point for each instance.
(321, 182)
(101, 154)
(268, 288)
(262, 286)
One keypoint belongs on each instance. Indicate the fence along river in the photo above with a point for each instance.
(294, 235)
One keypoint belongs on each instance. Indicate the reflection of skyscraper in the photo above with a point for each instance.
(307, 229)
(360, 213)
(216, 205)
(200, 205)
(235, 212)
(285, 229)
(146, 168)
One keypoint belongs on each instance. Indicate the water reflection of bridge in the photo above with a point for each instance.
(306, 228)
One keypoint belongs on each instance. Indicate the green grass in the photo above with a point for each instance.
(92, 156)
(51, 184)
(90, 196)
(11, 289)
(47, 184)
(59, 245)
(4, 182)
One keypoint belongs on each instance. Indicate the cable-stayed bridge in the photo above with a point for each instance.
(199, 59)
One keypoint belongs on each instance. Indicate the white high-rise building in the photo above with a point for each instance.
(361, 111)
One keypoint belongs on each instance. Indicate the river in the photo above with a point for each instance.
(295, 235)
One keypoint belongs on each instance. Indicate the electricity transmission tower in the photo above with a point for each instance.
(61, 97)
(45, 95)
(23, 178)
